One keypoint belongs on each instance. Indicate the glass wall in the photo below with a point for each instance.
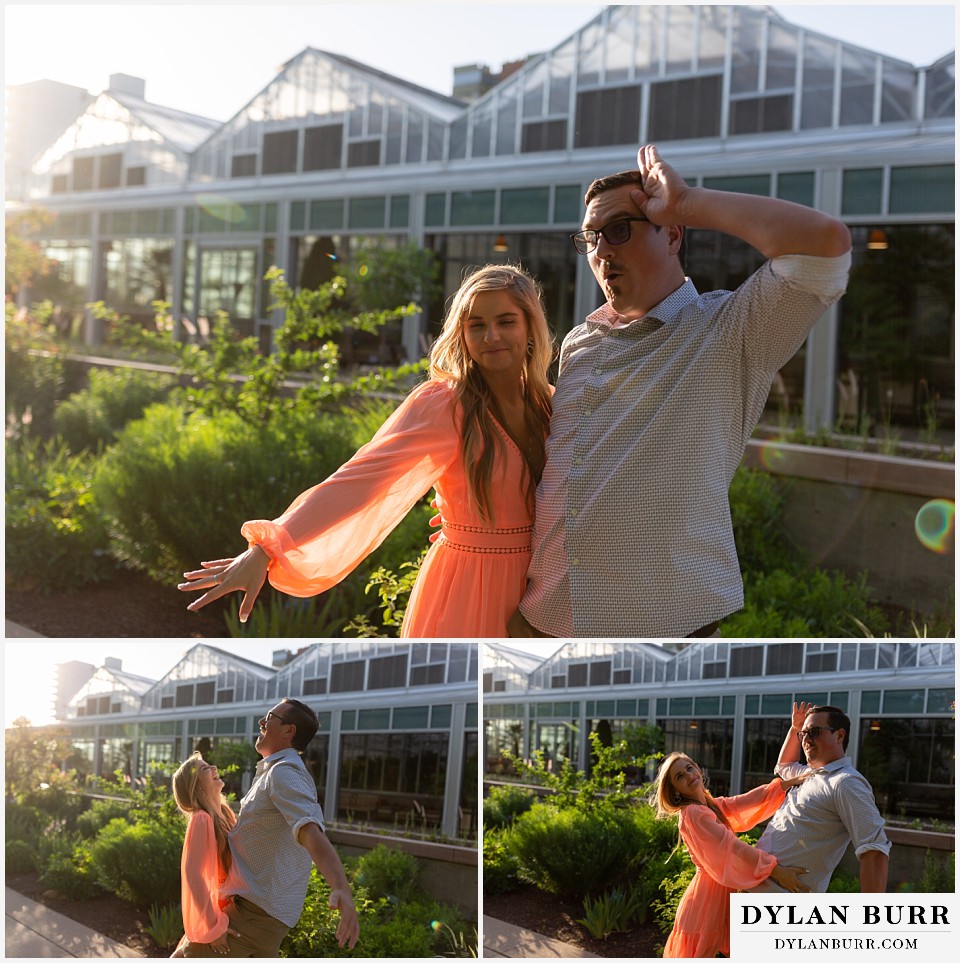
(708, 742)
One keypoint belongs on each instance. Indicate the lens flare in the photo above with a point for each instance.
(436, 924)
(332, 257)
(934, 525)
(221, 208)
(772, 456)
(363, 270)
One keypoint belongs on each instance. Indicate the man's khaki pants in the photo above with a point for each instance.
(260, 933)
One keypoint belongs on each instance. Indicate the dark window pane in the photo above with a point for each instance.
(600, 673)
(746, 661)
(205, 692)
(389, 672)
(363, 153)
(184, 695)
(111, 167)
(577, 674)
(280, 152)
(322, 147)
(225, 695)
(243, 165)
(58, 184)
(683, 109)
(784, 659)
(756, 115)
(544, 135)
(136, 176)
(347, 676)
(82, 173)
(610, 116)
(314, 686)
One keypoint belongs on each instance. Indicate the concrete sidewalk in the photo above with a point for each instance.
(32, 931)
(13, 631)
(510, 942)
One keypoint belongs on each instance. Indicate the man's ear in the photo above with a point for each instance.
(675, 237)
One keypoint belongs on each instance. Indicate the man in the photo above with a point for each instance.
(834, 806)
(657, 396)
(278, 834)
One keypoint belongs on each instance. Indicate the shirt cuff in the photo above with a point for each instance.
(303, 821)
(824, 276)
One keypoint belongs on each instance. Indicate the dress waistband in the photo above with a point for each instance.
(494, 541)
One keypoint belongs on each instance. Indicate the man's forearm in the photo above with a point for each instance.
(873, 871)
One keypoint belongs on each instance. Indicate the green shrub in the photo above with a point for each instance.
(90, 419)
(99, 814)
(23, 823)
(33, 373)
(166, 925)
(756, 510)
(504, 804)
(819, 604)
(500, 866)
(19, 856)
(69, 871)
(843, 882)
(574, 851)
(55, 536)
(674, 885)
(613, 912)
(139, 863)
(384, 871)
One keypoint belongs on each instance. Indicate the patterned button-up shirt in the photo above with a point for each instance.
(650, 419)
(814, 824)
(270, 868)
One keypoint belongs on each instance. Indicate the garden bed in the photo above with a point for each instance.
(106, 914)
(556, 917)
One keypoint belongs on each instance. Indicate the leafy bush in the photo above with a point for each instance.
(388, 872)
(781, 604)
(69, 870)
(33, 372)
(101, 812)
(573, 851)
(19, 856)
(166, 925)
(674, 885)
(756, 509)
(504, 804)
(500, 866)
(613, 912)
(140, 863)
(90, 419)
(55, 536)
(23, 823)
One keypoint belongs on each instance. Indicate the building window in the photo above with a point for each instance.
(796, 187)
(577, 675)
(525, 205)
(204, 694)
(746, 661)
(922, 190)
(558, 682)
(225, 695)
(347, 676)
(58, 184)
(184, 695)
(488, 682)
(363, 153)
(83, 173)
(322, 148)
(136, 176)
(599, 673)
(427, 675)
(280, 152)
(472, 207)
(622, 677)
(544, 135)
(862, 191)
(389, 672)
(314, 686)
(110, 171)
(609, 116)
(757, 115)
(685, 109)
(243, 165)
(367, 212)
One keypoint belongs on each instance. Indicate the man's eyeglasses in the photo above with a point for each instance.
(814, 732)
(275, 715)
(616, 232)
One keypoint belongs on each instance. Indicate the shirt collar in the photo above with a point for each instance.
(665, 312)
(843, 762)
(276, 757)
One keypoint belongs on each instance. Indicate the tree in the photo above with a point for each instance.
(34, 758)
(24, 260)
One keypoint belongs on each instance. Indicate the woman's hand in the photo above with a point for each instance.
(789, 878)
(246, 573)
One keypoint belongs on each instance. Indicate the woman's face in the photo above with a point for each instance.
(686, 778)
(495, 333)
(211, 785)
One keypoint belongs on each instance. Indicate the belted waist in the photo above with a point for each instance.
(502, 541)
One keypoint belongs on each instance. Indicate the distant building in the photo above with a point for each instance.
(398, 739)
(155, 203)
(727, 705)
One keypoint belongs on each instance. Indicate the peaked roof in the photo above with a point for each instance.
(181, 129)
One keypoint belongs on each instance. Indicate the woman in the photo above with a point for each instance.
(198, 791)
(475, 431)
(708, 827)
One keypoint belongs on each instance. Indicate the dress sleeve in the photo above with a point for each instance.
(743, 812)
(720, 853)
(203, 920)
(330, 528)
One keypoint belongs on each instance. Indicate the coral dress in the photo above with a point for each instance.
(724, 864)
(201, 877)
(474, 575)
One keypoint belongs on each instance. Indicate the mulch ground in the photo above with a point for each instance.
(106, 914)
(128, 606)
(556, 917)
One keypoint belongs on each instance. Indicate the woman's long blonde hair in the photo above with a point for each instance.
(668, 802)
(189, 799)
(450, 362)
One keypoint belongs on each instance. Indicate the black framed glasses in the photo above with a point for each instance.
(814, 731)
(616, 232)
(274, 715)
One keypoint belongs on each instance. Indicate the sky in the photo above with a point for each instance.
(211, 59)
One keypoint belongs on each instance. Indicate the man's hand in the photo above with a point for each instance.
(348, 928)
(664, 190)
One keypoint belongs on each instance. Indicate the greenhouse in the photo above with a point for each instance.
(728, 704)
(153, 203)
(398, 741)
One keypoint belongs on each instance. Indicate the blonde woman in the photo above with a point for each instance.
(725, 864)
(475, 431)
(198, 791)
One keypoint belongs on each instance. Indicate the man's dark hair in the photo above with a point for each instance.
(306, 721)
(612, 181)
(836, 718)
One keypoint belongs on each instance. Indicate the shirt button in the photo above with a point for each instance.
(574, 562)
(577, 462)
(573, 513)
(587, 412)
(598, 370)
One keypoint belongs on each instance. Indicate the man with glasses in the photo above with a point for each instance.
(278, 836)
(658, 393)
(830, 809)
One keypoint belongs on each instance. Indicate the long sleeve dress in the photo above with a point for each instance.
(201, 877)
(724, 864)
(473, 576)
